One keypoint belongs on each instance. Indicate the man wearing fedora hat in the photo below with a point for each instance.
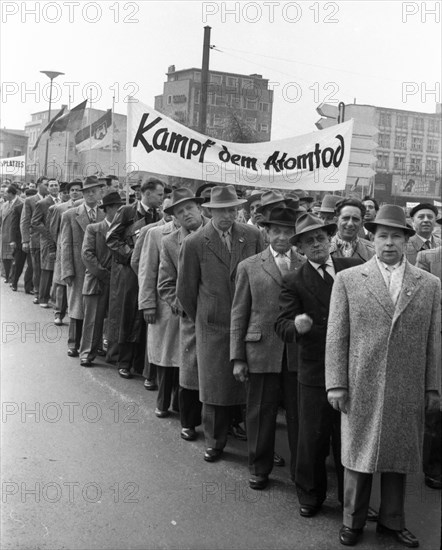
(185, 208)
(382, 361)
(206, 283)
(73, 226)
(97, 260)
(258, 356)
(304, 307)
(424, 220)
(327, 211)
(55, 213)
(431, 261)
(126, 325)
(251, 207)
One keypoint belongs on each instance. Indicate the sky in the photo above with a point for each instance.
(385, 53)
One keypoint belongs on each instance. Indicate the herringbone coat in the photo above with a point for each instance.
(387, 357)
(40, 223)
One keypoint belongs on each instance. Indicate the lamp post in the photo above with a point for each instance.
(52, 75)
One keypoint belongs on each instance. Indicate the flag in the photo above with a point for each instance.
(71, 120)
(97, 135)
(49, 126)
(354, 186)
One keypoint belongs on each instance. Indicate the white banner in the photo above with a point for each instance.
(12, 166)
(316, 161)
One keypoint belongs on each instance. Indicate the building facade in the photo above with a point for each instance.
(231, 96)
(13, 143)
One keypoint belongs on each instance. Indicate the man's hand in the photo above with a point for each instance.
(431, 400)
(338, 399)
(13, 247)
(25, 247)
(303, 323)
(69, 280)
(150, 315)
(240, 370)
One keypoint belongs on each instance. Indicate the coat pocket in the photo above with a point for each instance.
(254, 336)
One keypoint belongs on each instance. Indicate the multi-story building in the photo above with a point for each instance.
(408, 167)
(13, 143)
(246, 97)
(64, 161)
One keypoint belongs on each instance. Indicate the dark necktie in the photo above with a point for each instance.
(426, 245)
(327, 277)
(92, 215)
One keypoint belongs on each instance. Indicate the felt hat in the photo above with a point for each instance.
(182, 195)
(270, 198)
(308, 222)
(111, 199)
(329, 203)
(90, 182)
(390, 215)
(281, 215)
(223, 196)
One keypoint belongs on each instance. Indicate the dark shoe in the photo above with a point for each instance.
(308, 511)
(403, 536)
(72, 353)
(161, 414)
(101, 352)
(372, 515)
(30, 291)
(44, 305)
(211, 455)
(150, 385)
(238, 432)
(348, 536)
(258, 482)
(58, 321)
(35, 301)
(188, 434)
(85, 363)
(125, 373)
(433, 483)
(278, 460)
(14, 288)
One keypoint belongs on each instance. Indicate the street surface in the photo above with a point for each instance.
(93, 468)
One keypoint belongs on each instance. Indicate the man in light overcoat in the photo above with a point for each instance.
(382, 373)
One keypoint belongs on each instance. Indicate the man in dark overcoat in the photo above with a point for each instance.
(125, 323)
(20, 256)
(304, 305)
(206, 284)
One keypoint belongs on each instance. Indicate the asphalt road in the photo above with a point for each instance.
(87, 465)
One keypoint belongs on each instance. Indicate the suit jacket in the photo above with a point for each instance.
(364, 250)
(254, 312)
(14, 232)
(205, 289)
(97, 258)
(305, 291)
(414, 246)
(6, 224)
(40, 222)
(73, 226)
(387, 357)
(28, 232)
(431, 261)
(54, 224)
(135, 258)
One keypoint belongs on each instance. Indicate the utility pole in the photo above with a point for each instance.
(204, 80)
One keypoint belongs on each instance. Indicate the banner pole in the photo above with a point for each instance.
(112, 132)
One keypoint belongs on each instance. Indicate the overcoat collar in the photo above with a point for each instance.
(83, 219)
(269, 264)
(215, 244)
(316, 284)
(182, 233)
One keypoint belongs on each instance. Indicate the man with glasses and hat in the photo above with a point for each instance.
(382, 373)
(424, 221)
(73, 227)
(55, 213)
(258, 356)
(304, 308)
(206, 283)
(97, 259)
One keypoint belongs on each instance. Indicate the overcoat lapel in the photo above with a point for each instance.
(316, 285)
(410, 283)
(214, 243)
(238, 244)
(376, 286)
(269, 265)
(82, 217)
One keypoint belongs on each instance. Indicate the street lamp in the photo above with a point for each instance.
(52, 75)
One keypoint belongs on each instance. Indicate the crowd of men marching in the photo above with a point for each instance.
(233, 307)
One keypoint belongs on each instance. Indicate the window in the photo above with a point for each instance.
(382, 163)
(251, 122)
(264, 127)
(431, 166)
(251, 104)
(399, 163)
(384, 140)
(246, 83)
(400, 142)
(169, 100)
(385, 119)
(181, 116)
(402, 121)
(432, 145)
(17, 152)
(415, 165)
(232, 82)
(416, 143)
(264, 107)
(197, 97)
(216, 79)
(434, 125)
(220, 100)
(235, 100)
(418, 124)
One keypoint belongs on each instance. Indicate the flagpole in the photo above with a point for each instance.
(112, 132)
(128, 145)
(66, 154)
(90, 127)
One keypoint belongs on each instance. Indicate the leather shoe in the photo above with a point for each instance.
(35, 301)
(85, 363)
(150, 385)
(308, 511)
(101, 352)
(125, 373)
(58, 321)
(433, 482)
(403, 536)
(72, 353)
(278, 460)
(30, 291)
(372, 515)
(188, 434)
(348, 536)
(14, 288)
(44, 305)
(238, 432)
(258, 482)
(161, 414)
(211, 455)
